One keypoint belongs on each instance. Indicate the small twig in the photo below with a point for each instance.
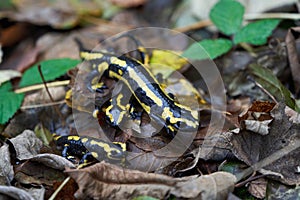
(251, 178)
(198, 25)
(42, 105)
(253, 16)
(263, 89)
(248, 48)
(41, 86)
(59, 188)
(250, 16)
(50, 96)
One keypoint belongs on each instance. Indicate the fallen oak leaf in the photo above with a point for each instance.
(277, 152)
(290, 40)
(103, 180)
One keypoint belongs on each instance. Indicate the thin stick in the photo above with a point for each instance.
(253, 16)
(41, 86)
(50, 96)
(198, 25)
(59, 188)
(42, 105)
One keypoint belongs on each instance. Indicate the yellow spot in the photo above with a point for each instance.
(104, 145)
(121, 116)
(90, 55)
(171, 128)
(94, 154)
(102, 67)
(119, 98)
(120, 72)
(98, 85)
(73, 137)
(84, 140)
(108, 114)
(95, 113)
(194, 114)
(68, 94)
(123, 145)
(117, 61)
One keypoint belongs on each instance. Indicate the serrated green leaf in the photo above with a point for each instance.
(144, 198)
(213, 48)
(269, 81)
(227, 15)
(9, 104)
(51, 70)
(256, 33)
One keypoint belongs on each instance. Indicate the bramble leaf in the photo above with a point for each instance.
(227, 15)
(256, 33)
(213, 48)
(51, 70)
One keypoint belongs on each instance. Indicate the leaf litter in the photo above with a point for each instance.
(266, 140)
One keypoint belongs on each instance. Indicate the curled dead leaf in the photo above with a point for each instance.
(27, 145)
(15, 193)
(53, 161)
(6, 169)
(103, 180)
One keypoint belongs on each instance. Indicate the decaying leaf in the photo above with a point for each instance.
(6, 169)
(14, 192)
(58, 14)
(35, 173)
(257, 126)
(27, 145)
(103, 180)
(269, 81)
(290, 41)
(258, 188)
(279, 191)
(53, 161)
(276, 152)
(6, 75)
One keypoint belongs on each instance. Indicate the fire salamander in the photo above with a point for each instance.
(160, 106)
(87, 148)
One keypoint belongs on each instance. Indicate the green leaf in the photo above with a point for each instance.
(144, 198)
(213, 48)
(51, 70)
(9, 104)
(6, 86)
(227, 15)
(256, 33)
(269, 81)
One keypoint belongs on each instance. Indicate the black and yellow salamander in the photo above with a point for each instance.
(85, 148)
(160, 106)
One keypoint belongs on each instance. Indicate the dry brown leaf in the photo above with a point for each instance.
(6, 75)
(103, 181)
(34, 173)
(260, 127)
(58, 14)
(53, 161)
(290, 41)
(6, 169)
(27, 145)
(277, 152)
(15, 193)
(258, 188)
